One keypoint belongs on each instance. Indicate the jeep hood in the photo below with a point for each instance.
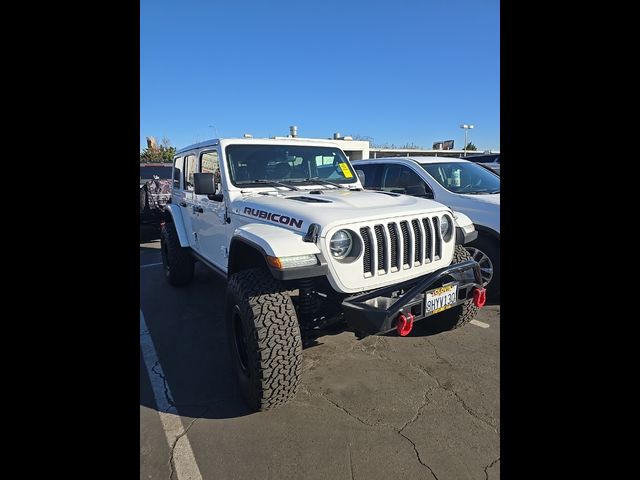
(330, 208)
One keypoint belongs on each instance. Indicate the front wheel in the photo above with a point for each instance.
(459, 315)
(264, 338)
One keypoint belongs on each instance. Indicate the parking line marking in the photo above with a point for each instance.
(151, 265)
(183, 460)
(480, 324)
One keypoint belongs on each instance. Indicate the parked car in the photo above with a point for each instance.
(149, 170)
(155, 191)
(490, 161)
(461, 185)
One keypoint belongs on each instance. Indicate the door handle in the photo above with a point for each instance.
(198, 209)
(183, 204)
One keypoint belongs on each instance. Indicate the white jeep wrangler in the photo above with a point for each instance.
(302, 246)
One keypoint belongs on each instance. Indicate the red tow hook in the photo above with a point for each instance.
(404, 325)
(479, 297)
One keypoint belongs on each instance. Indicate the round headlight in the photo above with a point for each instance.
(445, 226)
(340, 244)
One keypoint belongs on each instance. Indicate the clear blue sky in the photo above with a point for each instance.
(403, 71)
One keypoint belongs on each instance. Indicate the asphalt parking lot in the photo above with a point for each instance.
(425, 406)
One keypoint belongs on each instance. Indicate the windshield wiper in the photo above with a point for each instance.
(270, 183)
(324, 182)
(495, 191)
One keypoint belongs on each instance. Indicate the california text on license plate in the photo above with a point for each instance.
(440, 299)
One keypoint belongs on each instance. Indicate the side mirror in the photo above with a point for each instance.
(204, 184)
(360, 174)
(428, 195)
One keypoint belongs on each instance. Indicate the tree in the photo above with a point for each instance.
(471, 146)
(168, 153)
(162, 154)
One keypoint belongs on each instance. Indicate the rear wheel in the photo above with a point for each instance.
(143, 203)
(177, 261)
(264, 338)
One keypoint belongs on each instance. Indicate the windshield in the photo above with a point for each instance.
(458, 177)
(254, 165)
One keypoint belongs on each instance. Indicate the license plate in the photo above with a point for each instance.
(440, 299)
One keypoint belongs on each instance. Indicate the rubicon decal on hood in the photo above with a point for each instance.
(274, 217)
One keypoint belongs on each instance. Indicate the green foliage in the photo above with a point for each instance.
(162, 154)
(168, 153)
(471, 146)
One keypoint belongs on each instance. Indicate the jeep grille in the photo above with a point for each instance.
(406, 244)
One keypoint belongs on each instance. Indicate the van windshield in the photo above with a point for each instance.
(252, 165)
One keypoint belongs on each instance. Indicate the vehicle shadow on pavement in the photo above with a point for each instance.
(188, 332)
(149, 233)
(156, 251)
(187, 326)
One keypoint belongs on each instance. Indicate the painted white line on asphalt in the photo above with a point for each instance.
(151, 265)
(183, 460)
(480, 324)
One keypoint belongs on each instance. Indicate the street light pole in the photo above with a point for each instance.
(215, 130)
(465, 127)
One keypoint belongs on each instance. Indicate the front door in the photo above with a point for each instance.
(210, 214)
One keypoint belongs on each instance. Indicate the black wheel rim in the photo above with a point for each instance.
(240, 341)
(486, 266)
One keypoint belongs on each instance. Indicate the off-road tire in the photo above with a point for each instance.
(460, 315)
(143, 198)
(269, 372)
(143, 203)
(177, 261)
(491, 248)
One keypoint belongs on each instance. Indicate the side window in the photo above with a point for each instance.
(401, 179)
(371, 175)
(189, 170)
(391, 177)
(209, 163)
(177, 171)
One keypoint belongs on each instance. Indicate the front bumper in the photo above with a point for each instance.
(376, 311)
